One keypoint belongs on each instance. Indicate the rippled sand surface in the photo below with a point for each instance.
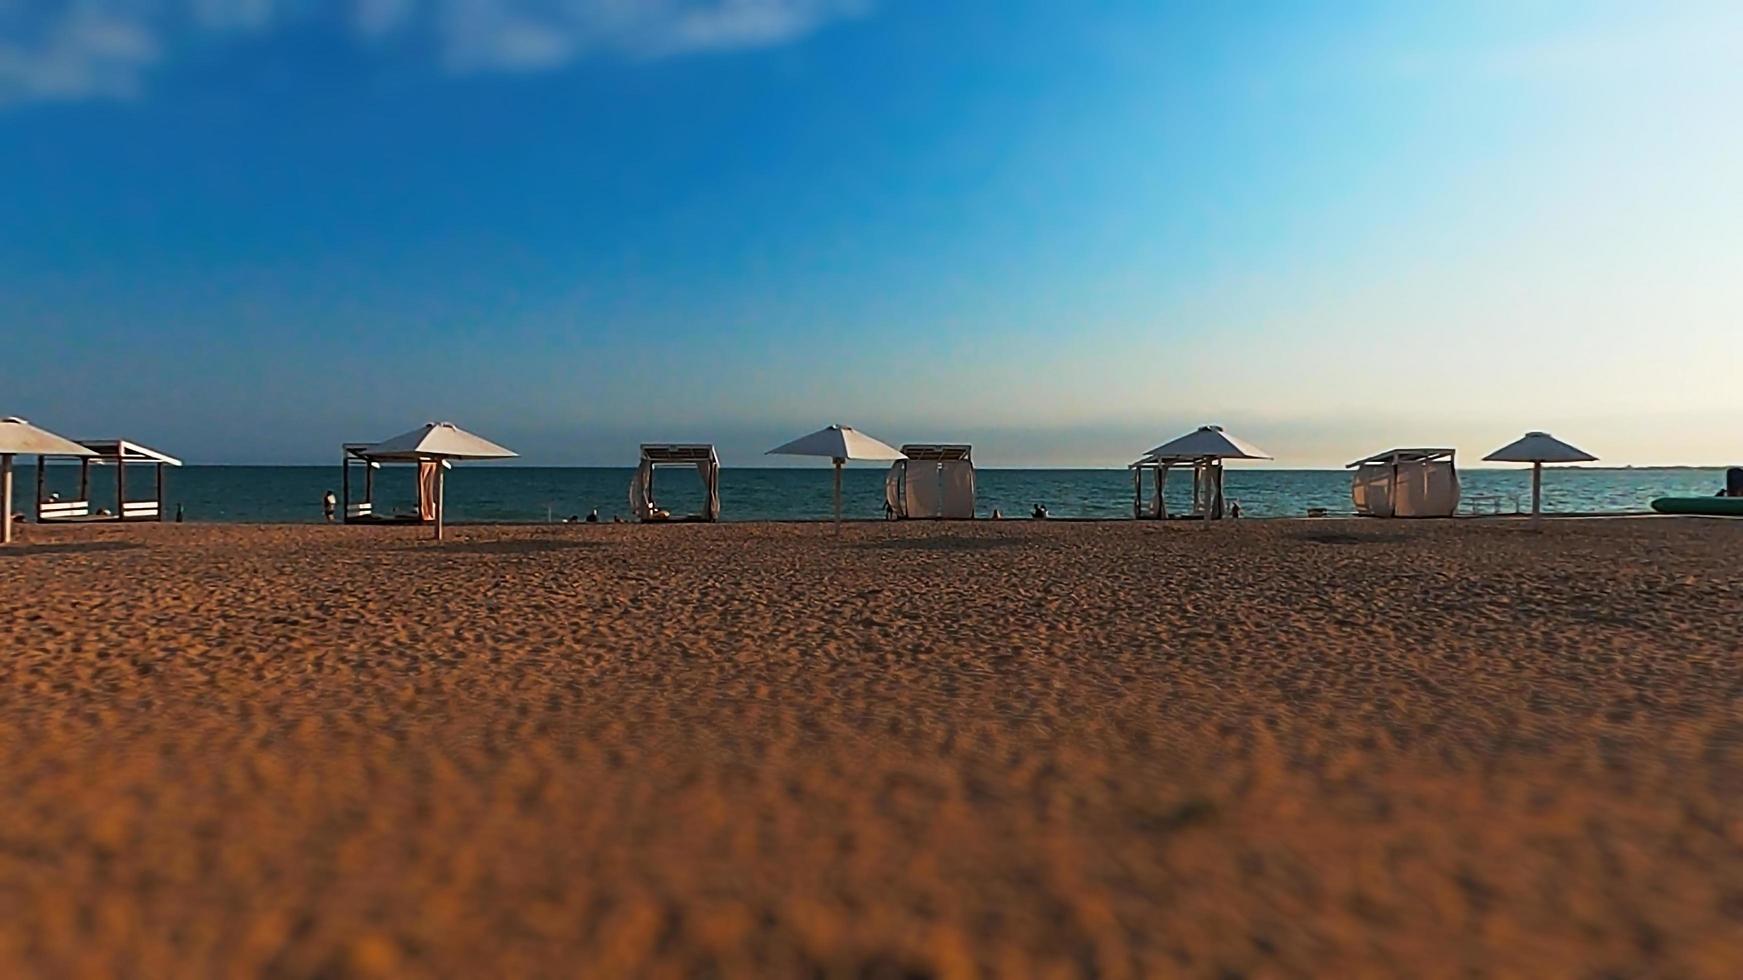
(1292, 748)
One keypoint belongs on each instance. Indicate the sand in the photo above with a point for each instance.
(1262, 749)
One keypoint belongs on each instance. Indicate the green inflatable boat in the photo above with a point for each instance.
(1708, 506)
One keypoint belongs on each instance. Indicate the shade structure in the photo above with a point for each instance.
(437, 442)
(655, 455)
(121, 453)
(1208, 442)
(1538, 448)
(935, 481)
(1204, 449)
(18, 437)
(1406, 482)
(838, 443)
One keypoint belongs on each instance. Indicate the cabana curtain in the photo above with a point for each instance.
(642, 501)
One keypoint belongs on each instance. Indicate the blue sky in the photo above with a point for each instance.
(248, 230)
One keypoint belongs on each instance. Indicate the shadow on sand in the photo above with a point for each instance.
(1344, 538)
(16, 550)
(532, 547)
(941, 544)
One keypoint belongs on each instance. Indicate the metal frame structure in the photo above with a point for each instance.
(1393, 458)
(1207, 487)
(363, 511)
(119, 453)
(700, 456)
(925, 452)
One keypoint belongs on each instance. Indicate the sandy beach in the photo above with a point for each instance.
(1260, 749)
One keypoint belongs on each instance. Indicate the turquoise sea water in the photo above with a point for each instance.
(521, 493)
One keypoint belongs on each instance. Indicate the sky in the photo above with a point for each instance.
(250, 230)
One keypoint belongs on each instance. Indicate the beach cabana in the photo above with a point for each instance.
(20, 438)
(360, 509)
(1405, 483)
(935, 481)
(701, 456)
(838, 443)
(1538, 448)
(433, 446)
(1205, 449)
(120, 454)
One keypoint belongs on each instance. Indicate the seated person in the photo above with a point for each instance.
(1733, 482)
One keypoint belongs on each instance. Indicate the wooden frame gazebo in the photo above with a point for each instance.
(120, 454)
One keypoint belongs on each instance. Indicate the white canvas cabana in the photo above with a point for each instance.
(838, 443)
(1405, 483)
(20, 438)
(433, 446)
(1204, 449)
(1538, 448)
(701, 456)
(935, 481)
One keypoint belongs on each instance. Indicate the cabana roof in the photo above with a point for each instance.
(127, 452)
(1403, 456)
(678, 452)
(939, 451)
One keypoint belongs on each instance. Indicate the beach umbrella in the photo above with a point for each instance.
(1538, 448)
(1204, 444)
(839, 443)
(438, 442)
(1209, 442)
(20, 438)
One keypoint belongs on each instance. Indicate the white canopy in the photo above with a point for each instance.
(837, 442)
(1208, 442)
(1539, 447)
(438, 440)
(18, 437)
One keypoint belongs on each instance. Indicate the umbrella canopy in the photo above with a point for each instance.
(838, 442)
(438, 440)
(18, 436)
(1539, 447)
(1209, 441)
(21, 438)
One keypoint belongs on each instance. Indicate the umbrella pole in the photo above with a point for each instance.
(1536, 491)
(1209, 492)
(6, 496)
(440, 502)
(838, 463)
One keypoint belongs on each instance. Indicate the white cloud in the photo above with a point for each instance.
(72, 49)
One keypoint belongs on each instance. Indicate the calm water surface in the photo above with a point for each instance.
(521, 493)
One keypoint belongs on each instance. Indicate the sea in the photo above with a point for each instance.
(497, 493)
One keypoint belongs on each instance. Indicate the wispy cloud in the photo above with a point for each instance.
(75, 49)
